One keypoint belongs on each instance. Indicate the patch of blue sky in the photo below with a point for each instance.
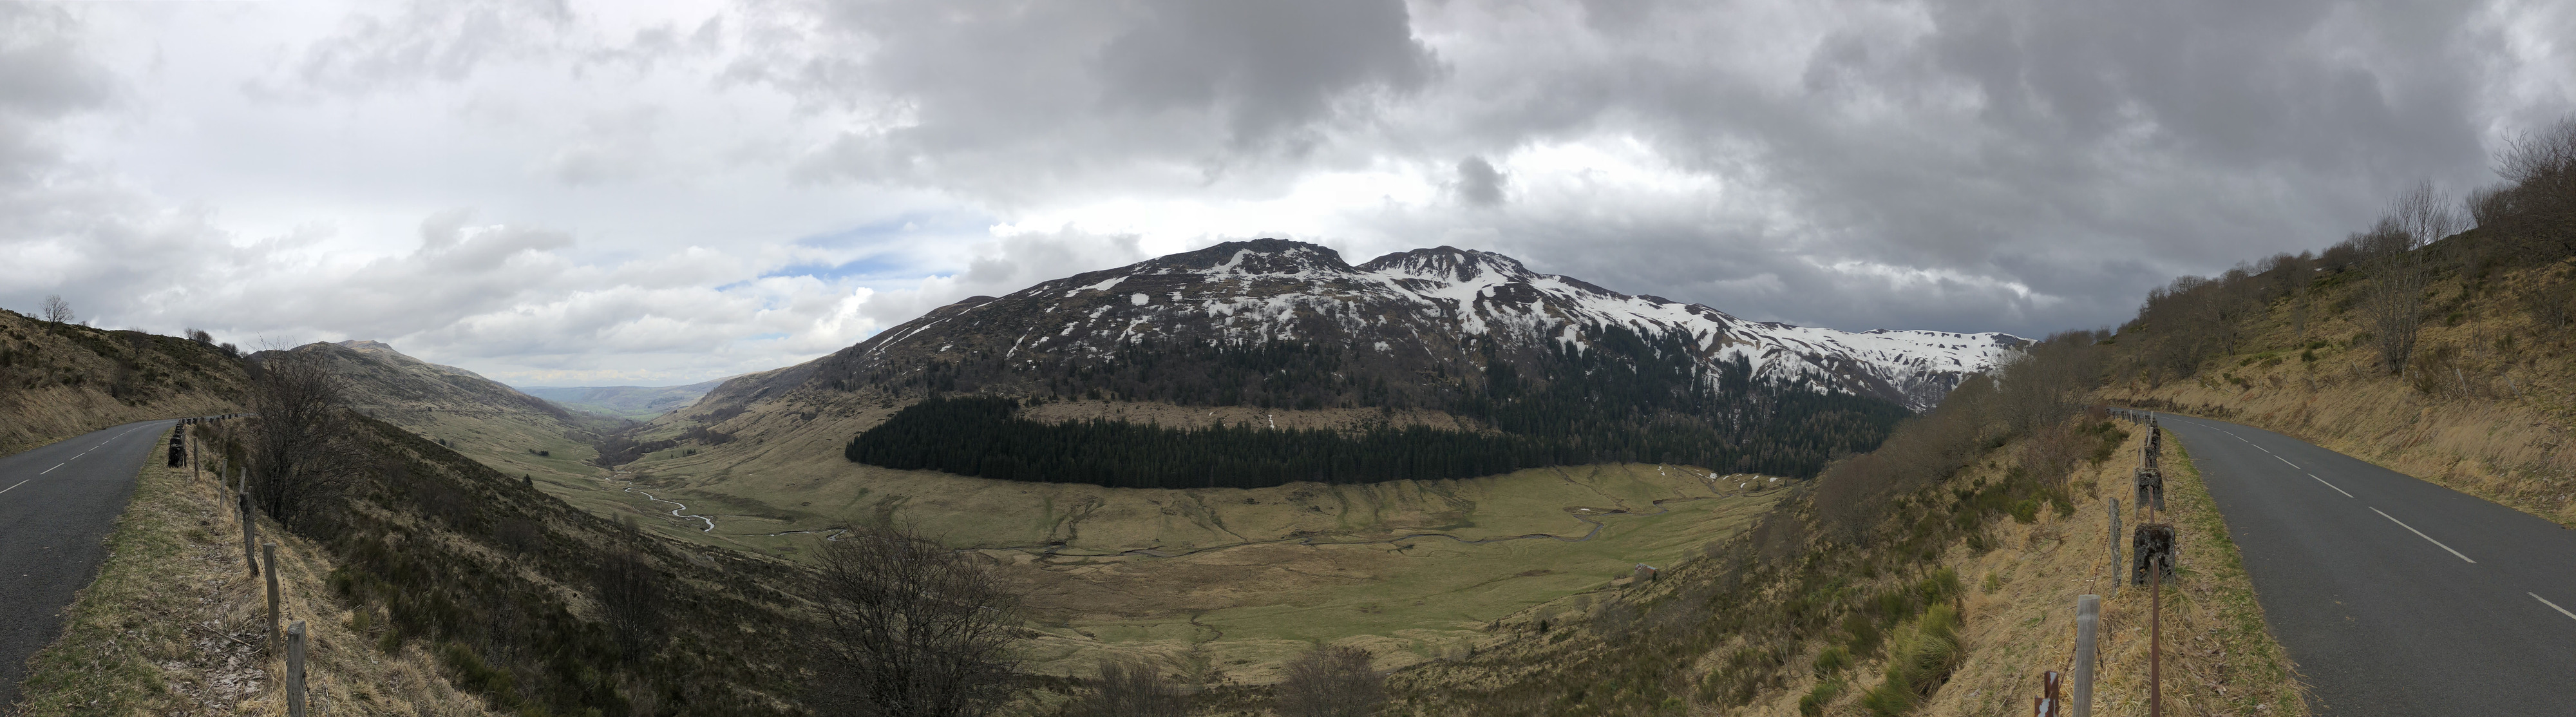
(884, 249)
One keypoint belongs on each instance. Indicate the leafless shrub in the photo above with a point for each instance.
(630, 597)
(301, 458)
(910, 628)
(520, 535)
(1331, 682)
(200, 336)
(1133, 689)
(2539, 206)
(2392, 296)
(2552, 301)
(55, 309)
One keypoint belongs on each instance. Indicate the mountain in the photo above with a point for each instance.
(508, 430)
(639, 402)
(1431, 312)
(1443, 338)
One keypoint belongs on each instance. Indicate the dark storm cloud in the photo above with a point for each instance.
(2029, 165)
(2079, 151)
(1022, 99)
(648, 170)
(1479, 183)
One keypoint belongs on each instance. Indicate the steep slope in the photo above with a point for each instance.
(510, 431)
(60, 380)
(636, 402)
(2485, 404)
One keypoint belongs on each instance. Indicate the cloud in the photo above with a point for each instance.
(1478, 183)
(568, 190)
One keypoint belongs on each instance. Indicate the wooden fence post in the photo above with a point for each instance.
(270, 550)
(250, 534)
(295, 669)
(2088, 616)
(2116, 563)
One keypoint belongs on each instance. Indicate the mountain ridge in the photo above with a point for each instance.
(1438, 305)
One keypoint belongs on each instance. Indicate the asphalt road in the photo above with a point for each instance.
(2395, 596)
(56, 506)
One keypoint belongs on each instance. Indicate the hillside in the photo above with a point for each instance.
(435, 585)
(1283, 335)
(635, 402)
(2485, 404)
(60, 380)
(496, 425)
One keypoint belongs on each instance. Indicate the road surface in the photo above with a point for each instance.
(2395, 596)
(56, 506)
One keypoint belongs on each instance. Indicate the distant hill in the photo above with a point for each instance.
(638, 402)
(510, 431)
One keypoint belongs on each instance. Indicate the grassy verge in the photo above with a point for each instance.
(2218, 656)
(1954, 604)
(174, 625)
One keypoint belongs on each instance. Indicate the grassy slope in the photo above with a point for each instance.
(59, 380)
(171, 624)
(2219, 658)
(1654, 650)
(424, 561)
(2493, 420)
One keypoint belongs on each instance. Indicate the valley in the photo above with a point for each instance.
(1241, 579)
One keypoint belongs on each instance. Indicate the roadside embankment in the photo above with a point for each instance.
(174, 624)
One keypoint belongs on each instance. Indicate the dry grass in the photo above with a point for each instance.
(2487, 410)
(174, 624)
(2218, 657)
(60, 381)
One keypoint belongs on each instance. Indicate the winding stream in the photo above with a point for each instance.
(675, 511)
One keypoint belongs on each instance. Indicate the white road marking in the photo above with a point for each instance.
(50, 470)
(2418, 533)
(2338, 489)
(2552, 605)
(2286, 460)
(14, 487)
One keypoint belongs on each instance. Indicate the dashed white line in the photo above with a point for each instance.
(2338, 489)
(2552, 605)
(50, 470)
(2286, 460)
(24, 482)
(2418, 533)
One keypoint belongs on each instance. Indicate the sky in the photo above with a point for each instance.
(563, 192)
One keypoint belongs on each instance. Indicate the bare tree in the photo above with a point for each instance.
(55, 309)
(301, 457)
(1132, 689)
(2392, 294)
(1331, 682)
(911, 629)
(2539, 206)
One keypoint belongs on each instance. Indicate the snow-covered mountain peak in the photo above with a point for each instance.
(1450, 265)
(1434, 312)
